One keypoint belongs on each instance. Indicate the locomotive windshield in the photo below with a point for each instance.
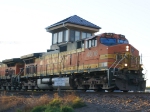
(112, 41)
(120, 41)
(108, 41)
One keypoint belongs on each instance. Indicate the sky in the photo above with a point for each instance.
(23, 23)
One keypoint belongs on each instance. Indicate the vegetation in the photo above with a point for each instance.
(45, 103)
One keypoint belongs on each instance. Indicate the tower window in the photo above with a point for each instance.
(83, 35)
(65, 36)
(60, 37)
(77, 35)
(86, 35)
(74, 35)
(54, 38)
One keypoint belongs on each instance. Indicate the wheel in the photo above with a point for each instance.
(50, 89)
(96, 90)
(4, 87)
(110, 90)
(19, 88)
(99, 90)
(125, 91)
(9, 88)
(32, 88)
(83, 90)
(25, 88)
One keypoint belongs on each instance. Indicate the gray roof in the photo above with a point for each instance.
(31, 55)
(75, 20)
(15, 60)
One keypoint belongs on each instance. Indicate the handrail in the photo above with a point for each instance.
(109, 69)
(113, 63)
(21, 71)
(118, 63)
(114, 67)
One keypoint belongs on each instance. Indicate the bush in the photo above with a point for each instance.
(66, 109)
(19, 110)
(55, 102)
(77, 103)
(52, 109)
(39, 109)
(59, 109)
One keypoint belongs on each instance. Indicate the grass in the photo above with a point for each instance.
(44, 103)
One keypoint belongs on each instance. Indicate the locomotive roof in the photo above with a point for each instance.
(93, 36)
(31, 55)
(103, 34)
(13, 60)
(75, 20)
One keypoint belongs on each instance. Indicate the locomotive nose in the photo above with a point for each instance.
(129, 49)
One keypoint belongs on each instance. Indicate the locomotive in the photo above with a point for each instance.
(78, 60)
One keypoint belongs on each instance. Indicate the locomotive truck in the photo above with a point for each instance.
(77, 59)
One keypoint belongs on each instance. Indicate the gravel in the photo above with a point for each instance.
(115, 103)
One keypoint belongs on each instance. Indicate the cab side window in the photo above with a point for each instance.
(91, 43)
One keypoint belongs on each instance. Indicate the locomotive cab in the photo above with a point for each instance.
(14, 66)
(12, 70)
(31, 61)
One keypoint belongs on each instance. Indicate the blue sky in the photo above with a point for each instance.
(23, 22)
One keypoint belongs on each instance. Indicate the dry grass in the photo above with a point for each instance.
(9, 102)
(32, 102)
(27, 104)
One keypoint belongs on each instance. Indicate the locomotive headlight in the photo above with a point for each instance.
(141, 65)
(126, 64)
(127, 48)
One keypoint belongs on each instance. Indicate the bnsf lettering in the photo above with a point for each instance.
(92, 53)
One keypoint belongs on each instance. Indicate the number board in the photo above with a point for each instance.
(59, 81)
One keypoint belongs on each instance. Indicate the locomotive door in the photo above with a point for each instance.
(70, 62)
(80, 61)
(66, 62)
(61, 63)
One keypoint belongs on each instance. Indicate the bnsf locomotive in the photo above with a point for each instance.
(77, 59)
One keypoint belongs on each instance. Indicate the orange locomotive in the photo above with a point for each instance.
(99, 62)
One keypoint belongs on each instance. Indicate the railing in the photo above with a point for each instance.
(115, 64)
(118, 63)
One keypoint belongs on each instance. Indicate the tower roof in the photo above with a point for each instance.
(75, 20)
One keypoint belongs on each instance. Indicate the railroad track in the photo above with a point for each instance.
(62, 92)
